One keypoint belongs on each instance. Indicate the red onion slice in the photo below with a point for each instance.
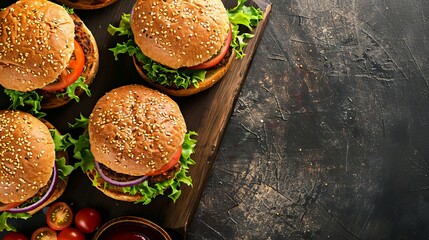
(43, 199)
(118, 183)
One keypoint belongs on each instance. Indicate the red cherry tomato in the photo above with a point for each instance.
(59, 216)
(44, 233)
(7, 206)
(72, 71)
(15, 236)
(169, 165)
(216, 59)
(87, 220)
(71, 234)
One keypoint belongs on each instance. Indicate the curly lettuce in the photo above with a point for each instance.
(61, 144)
(21, 100)
(71, 89)
(5, 216)
(248, 17)
(31, 101)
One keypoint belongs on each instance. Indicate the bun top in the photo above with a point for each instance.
(27, 156)
(36, 44)
(135, 130)
(179, 33)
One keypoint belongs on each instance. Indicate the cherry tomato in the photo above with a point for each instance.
(14, 236)
(72, 71)
(87, 220)
(7, 206)
(169, 165)
(44, 233)
(216, 59)
(59, 216)
(71, 234)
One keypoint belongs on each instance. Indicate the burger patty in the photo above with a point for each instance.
(152, 179)
(224, 60)
(83, 39)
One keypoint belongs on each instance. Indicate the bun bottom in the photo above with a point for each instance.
(112, 191)
(212, 77)
(50, 100)
(86, 5)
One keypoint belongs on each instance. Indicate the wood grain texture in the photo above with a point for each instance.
(329, 136)
(207, 113)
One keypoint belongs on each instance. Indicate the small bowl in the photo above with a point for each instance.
(131, 228)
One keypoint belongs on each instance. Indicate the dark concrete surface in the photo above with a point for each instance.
(329, 138)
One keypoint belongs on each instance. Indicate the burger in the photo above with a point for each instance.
(183, 47)
(87, 4)
(33, 169)
(139, 145)
(47, 55)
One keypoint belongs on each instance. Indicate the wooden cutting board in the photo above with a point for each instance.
(206, 113)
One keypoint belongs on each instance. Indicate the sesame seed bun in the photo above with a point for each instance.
(87, 4)
(37, 43)
(27, 155)
(179, 33)
(86, 39)
(135, 130)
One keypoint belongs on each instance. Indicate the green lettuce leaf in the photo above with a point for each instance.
(71, 89)
(63, 169)
(81, 147)
(81, 122)
(4, 216)
(248, 17)
(22, 100)
(83, 153)
(244, 15)
(124, 27)
(62, 142)
(69, 10)
(32, 99)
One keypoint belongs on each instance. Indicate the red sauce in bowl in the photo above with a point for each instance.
(131, 231)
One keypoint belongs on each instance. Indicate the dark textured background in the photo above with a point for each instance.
(329, 138)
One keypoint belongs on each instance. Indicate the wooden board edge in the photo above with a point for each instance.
(178, 221)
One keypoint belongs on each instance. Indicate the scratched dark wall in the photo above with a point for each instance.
(329, 137)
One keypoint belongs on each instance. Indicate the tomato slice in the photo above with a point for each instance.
(216, 59)
(14, 236)
(169, 165)
(44, 233)
(72, 71)
(59, 216)
(71, 234)
(7, 206)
